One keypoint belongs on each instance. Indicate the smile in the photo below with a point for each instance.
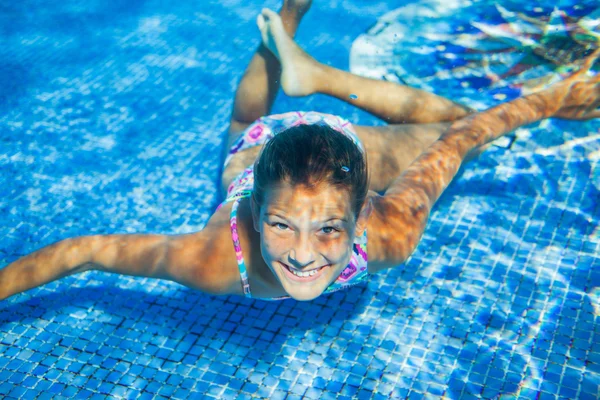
(302, 276)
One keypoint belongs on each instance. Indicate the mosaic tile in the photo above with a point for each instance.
(107, 129)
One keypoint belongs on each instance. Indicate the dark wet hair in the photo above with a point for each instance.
(310, 155)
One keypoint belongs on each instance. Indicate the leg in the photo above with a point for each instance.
(303, 75)
(391, 149)
(257, 90)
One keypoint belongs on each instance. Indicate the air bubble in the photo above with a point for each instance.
(353, 96)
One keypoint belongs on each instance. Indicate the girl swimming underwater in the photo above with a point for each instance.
(301, 199)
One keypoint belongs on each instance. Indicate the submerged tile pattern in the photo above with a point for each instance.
(113, 117)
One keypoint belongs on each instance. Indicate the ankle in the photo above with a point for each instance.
(321, 78)
(290, 20)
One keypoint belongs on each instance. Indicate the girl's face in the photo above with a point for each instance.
(306, 236)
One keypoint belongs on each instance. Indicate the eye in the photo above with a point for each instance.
(328, 230)
(280, 226)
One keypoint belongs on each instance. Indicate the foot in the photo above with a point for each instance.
(298, 69)
(578, 96)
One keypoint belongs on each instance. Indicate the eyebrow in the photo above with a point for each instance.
(325, 221)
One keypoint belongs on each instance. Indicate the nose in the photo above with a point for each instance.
(301, 255)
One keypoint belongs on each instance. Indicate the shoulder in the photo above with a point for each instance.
(390, 238)
(206, 260)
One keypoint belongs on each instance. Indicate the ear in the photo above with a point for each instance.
(255, 213)
(363, 216)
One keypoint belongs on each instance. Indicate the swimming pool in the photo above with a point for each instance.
(113, 117)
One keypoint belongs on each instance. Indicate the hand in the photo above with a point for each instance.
(578, 95)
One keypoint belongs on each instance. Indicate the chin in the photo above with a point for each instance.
(304, 296)
(303, 292)
(306, 292)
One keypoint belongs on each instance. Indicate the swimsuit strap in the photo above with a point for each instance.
(238, 249)
(236, 246)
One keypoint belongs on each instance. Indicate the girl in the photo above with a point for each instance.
(300, 199)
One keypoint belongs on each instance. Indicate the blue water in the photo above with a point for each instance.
(112, 119)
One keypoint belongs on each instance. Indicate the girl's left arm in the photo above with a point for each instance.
(399, 216)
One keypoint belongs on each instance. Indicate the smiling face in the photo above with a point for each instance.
(307, 235)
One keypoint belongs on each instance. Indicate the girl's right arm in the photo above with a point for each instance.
(126, 254)
(184, 259)
(400, 216)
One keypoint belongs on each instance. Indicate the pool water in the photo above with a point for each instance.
(112, 118)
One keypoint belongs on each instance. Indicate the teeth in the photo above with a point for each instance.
(304, 274)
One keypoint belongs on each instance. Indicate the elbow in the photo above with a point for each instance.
(72, 255)
(137, 255)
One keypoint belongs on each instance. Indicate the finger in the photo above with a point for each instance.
(589, 112)
(592, 114)
(589, 61)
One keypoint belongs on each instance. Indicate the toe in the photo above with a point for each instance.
(269, 13)
(260, 21)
